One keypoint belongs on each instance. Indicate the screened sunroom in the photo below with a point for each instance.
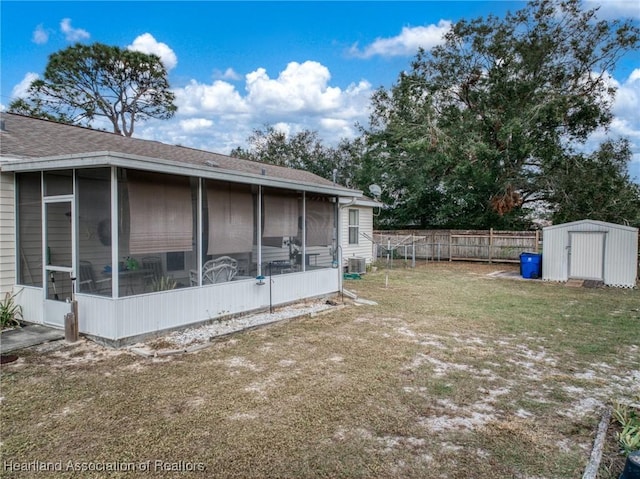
(148, 237)
(144, 246)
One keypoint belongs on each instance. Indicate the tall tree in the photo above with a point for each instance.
(304, 151)
(486, 117)
(596, 186)
(83, 82)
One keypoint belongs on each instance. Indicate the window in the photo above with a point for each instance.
(175, 261)
(354, 226)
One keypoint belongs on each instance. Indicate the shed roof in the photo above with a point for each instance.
(603, 224)
(30, 144)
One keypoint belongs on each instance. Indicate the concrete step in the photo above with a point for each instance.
(20, 338)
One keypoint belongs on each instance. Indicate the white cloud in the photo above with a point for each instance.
(611, 9)
(40, 35)
(219, 98)
(20, 90)
(625, 122)
(228, 74)
(146, 43)
(195, 124)
(406, 43)
(301, 87)
(626, 107)
(285, 128)
(72, 34)
(218, 117)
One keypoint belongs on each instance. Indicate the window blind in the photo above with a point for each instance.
(160, 212)
(230, 219)
(319, 222)
(280, 216)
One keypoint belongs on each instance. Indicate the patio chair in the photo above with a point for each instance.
(87, 282)
(193, 277)
(219, 270)
(152, 265)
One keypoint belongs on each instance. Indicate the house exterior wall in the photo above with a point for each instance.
(620, 266)
(7, 232)
(364, 248)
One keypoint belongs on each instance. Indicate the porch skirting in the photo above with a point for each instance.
(124, 321)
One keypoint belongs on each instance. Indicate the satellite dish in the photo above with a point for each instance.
(375, 190)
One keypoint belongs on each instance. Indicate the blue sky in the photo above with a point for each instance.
(236, 66)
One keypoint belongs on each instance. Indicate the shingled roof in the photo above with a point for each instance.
(27, 138)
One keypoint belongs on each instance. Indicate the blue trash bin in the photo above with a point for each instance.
(531, 265)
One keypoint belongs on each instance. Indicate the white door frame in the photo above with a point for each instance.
(55, 310)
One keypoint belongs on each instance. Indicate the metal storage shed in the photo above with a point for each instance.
(592, 250)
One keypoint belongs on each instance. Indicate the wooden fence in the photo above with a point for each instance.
(452, 245)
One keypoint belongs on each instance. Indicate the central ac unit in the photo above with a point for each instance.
(357, 265)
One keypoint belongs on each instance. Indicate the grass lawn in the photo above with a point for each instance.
(455, 374)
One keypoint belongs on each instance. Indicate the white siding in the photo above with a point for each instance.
(620, 267)
(30, 298)
(7, 233)
(117, 320)
(364, 248)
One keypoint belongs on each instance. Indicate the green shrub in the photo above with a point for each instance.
(163, 283)
(629, 419)
(10, 312)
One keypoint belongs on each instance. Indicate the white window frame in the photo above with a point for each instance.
(354, 227)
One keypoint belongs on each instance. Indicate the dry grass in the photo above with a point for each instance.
(455, 374)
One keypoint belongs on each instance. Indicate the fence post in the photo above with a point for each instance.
(388, 251)
(537, 241)
(413, 254)
(490, 243)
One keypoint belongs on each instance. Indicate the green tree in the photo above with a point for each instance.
(596, 186)
(304, 151)
(83, 82)
(469, 136)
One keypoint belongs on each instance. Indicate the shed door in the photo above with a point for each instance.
(586, 259)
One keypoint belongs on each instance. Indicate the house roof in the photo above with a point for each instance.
(28, 144)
